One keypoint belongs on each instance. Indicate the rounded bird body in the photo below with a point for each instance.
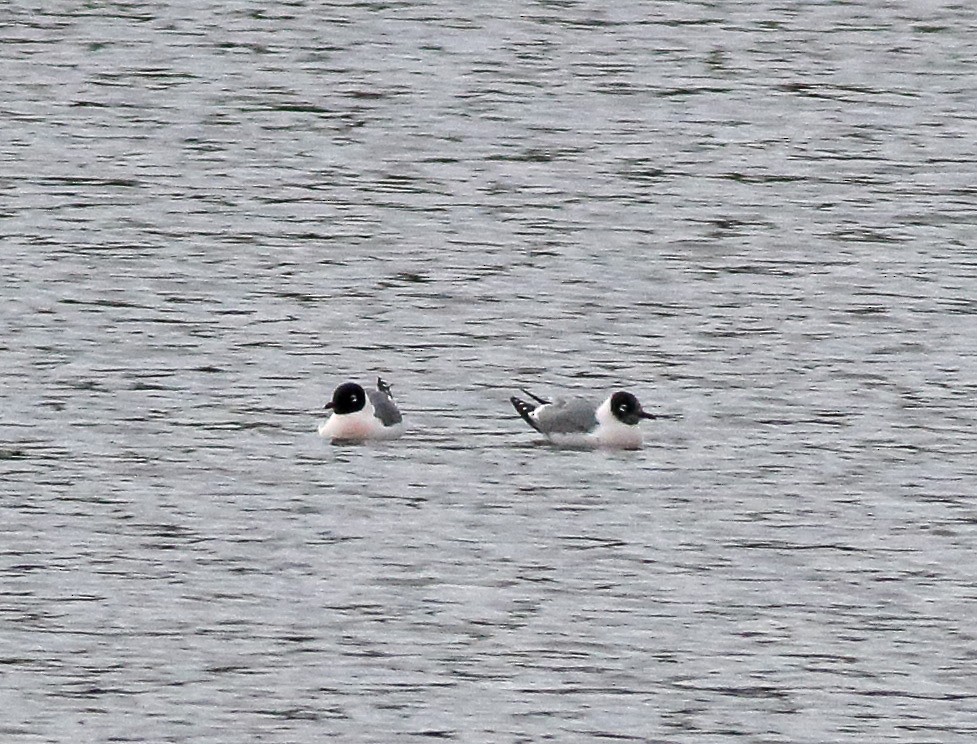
(359, 415)
(581, 422)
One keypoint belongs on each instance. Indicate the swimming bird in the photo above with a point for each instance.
(581, 422)
(359, 415)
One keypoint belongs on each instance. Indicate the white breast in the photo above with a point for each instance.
(358, 426)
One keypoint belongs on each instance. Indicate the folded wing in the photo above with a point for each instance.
(567, 416)
(385, 408)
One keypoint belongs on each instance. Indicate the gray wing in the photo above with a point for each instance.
(567, 416)
(386, 409)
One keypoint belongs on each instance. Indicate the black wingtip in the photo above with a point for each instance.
(524, 409)
(541, 401)
(384, 387)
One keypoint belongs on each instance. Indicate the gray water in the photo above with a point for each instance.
(759, 217)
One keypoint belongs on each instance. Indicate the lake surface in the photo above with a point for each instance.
(759, 217)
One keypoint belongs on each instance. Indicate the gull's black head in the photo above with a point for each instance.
(627, 409)
(347, 398)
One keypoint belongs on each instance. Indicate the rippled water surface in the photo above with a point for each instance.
(759, 217)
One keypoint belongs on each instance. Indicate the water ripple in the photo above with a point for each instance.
(757, 218)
